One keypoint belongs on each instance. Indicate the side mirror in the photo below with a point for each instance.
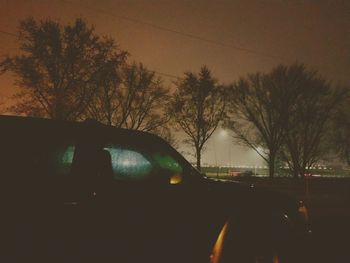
(176, 179)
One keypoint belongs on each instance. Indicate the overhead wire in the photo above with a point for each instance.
(178, 32)
(7, 33)
(185, 34)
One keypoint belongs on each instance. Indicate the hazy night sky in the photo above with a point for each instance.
(316, 33)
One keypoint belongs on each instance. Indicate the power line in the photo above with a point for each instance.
(193, 36)
(7, 33)
(166, 75)
(200, 38)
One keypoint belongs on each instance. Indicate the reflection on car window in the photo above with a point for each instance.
(134, 164)
(64, 160)
(129, 164)
(168, 163)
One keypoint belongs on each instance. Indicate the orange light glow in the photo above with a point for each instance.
(303, 212)
(217, 249)
(176, 179)
(276, 259)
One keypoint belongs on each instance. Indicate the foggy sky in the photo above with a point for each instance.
(316, 33)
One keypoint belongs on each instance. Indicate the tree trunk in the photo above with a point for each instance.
(198, 156)
(296, 169)
(295, 173)
(58, 108)
(272, 165)
(293, 162)
(302, 172)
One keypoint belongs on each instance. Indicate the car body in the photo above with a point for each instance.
(78, 192)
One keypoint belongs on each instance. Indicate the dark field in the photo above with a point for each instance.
(328, 201)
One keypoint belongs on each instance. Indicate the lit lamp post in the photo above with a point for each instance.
(216, 158)
(221, 136)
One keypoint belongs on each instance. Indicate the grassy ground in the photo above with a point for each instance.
(224, 171)
(328, 200)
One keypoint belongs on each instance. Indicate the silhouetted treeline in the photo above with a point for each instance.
(284, 114)
(69, 72)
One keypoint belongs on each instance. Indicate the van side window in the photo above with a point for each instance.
(129, 164)
(136, 164)
(167, 163)
(63, 159)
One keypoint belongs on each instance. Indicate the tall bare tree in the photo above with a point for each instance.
(309, 118)
(258, 108)
(59, 67)
(283, 112)
(340, 134)
(1, 105)
(132, 98)
(143, 108)
(198, 107)
(107, 100)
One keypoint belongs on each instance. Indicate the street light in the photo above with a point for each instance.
(222, 134)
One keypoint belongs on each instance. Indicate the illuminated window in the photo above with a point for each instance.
(168, 163)
(129, 164)
(67, 157)
(64, 160)
(141, 164)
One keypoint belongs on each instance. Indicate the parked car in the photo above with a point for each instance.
(81, 192)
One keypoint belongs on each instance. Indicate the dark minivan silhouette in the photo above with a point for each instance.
(88, 192)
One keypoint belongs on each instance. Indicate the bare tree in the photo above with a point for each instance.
(132, 98)
(309, 118)
(166, 132)
(1, 105)
(283, 112)
(258, 108)
(340, 130)
(198, 107)
(59, 68)
(145, 98)
(107, 100)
